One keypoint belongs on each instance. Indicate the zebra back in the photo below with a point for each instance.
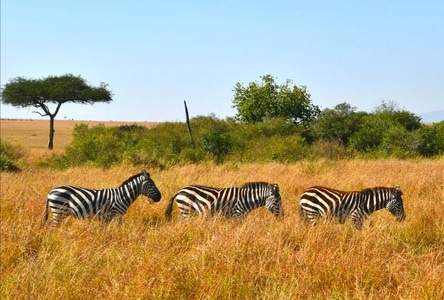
(259, 194)
(383, 197)
(231, 201)
(198, 198)
(104, 204)
(319, 201)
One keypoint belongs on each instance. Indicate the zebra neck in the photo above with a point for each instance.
(255, 200)
(377, 200)
(129, 191)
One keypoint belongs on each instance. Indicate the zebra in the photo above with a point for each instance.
(319, 201)
(105, 204)
(230, 202)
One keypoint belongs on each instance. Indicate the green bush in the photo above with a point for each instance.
(332, 150)
(9, 156)
(98, 146)
(337, 125)
(431, 140)
(170, 144)
(385, 136)
(398, 142)
(163, 144)
(218, 144)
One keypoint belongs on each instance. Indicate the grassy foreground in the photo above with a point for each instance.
(257, 258)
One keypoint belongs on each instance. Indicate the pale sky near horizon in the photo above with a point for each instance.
(156, 54)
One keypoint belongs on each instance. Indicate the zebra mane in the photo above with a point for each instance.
(381, 188)
(130, 179)
(254, 184)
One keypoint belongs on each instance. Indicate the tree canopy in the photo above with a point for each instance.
(267, 99)
(38, 93)
(23, 92)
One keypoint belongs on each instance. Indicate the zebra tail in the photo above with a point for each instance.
(45, 212)
(169, 209)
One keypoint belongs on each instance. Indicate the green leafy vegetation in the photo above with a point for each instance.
(9, 156)
(274, 123)
(267, 99)
(353, 134)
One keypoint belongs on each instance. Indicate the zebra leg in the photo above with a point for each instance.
(59, 213)
(309, 216)
(311, 220)
(187, 214)
(188, 210)
(110, 217)
(341, 218)
(45, 213)
(358, 219)
(118, 219)
(106, 218)
(239, 210)
(238, 215)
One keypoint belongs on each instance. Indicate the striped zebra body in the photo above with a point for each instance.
(105, 204)
(231, 202)
(323, 202)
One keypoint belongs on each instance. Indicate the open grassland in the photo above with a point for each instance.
(33, 134)
(260, 257)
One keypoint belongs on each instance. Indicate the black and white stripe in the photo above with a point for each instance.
(232, 202)
(105, 204)
(325, 202)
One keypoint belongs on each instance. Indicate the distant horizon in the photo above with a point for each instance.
(435, 116)
(78, 120)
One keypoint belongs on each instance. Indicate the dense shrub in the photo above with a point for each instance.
(372, 135)
(218, 144)
(383, 136)
(9, 156)
(337, 125)
(389, 111)
(98, 146)
(431, 140)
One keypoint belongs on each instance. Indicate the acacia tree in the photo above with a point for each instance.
(55, 90)
(266, 99)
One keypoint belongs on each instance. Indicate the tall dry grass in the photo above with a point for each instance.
(258, 258)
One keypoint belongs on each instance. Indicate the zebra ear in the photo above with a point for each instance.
(276, 187)
(398, 189)
(145, 173)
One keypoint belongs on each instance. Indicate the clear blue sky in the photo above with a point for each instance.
(156, 54)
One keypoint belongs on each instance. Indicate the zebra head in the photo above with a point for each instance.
(149, 188)
(273, 201)
(394, 205)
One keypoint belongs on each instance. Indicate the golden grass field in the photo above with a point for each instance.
(260, 257)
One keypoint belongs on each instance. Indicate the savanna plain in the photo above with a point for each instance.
(260, 257)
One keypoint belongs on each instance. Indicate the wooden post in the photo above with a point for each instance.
(188, 124)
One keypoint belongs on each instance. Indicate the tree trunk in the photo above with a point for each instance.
(51, 132)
